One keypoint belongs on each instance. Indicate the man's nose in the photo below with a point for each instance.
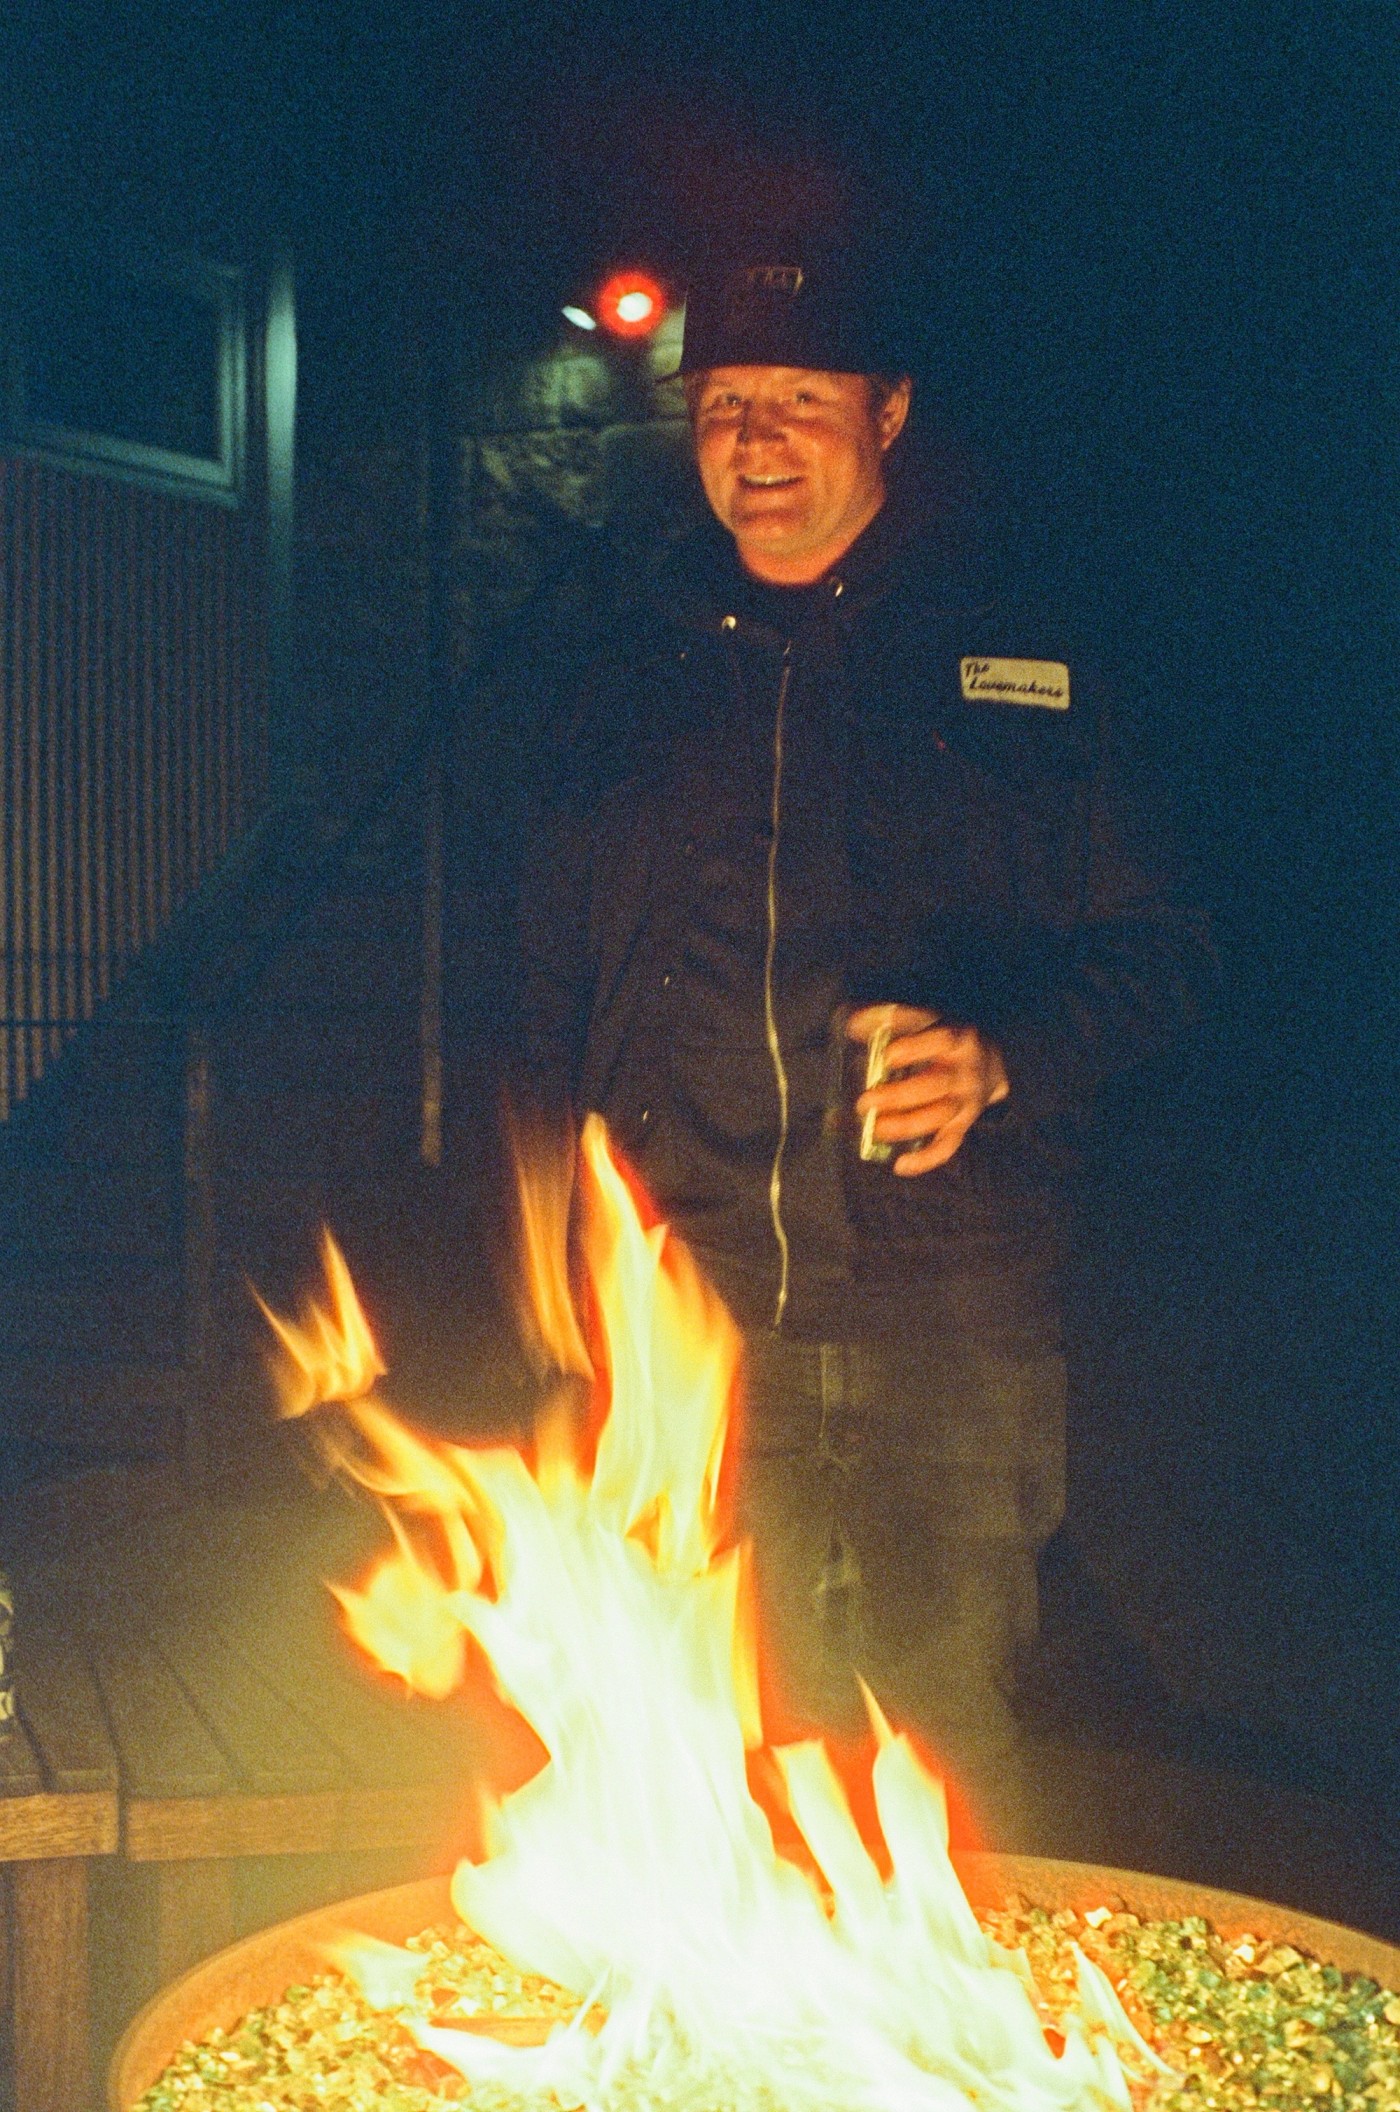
(759, 422)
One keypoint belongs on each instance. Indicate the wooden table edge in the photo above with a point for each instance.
(56, 1823)
(177, 1829)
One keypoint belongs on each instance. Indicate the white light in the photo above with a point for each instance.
(634, 307)
(579, 317)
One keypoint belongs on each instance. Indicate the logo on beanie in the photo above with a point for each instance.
(748, 304)
(768, 278)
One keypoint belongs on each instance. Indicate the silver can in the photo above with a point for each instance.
(7, 1654)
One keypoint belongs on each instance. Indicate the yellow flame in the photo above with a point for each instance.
(636, 1868)
(330, 1356)
(545, 1303)
(406, 1622)
(657, 1474)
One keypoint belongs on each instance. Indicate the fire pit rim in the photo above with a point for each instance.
(259, 1968)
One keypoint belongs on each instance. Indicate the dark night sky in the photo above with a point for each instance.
(1156, 251)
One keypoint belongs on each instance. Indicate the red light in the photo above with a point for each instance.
(631, 304)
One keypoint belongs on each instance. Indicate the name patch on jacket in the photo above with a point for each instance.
(1042, 682)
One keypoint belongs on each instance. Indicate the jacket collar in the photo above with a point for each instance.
(911, 552)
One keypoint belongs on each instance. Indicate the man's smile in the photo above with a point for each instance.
(792, 462)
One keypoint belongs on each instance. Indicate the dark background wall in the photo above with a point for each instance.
(1153, 251)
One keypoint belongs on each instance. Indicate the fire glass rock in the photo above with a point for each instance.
(1231, 1990)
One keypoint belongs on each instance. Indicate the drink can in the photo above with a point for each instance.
(7, 1654)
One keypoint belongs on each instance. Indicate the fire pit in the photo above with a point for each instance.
(219, 1992)
(729, 1933)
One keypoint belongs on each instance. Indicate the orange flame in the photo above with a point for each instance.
(636, 1868)
(545, 1305)
(405, 1621)
(331, 1356)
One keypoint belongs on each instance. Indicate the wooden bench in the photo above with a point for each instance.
(239, 1723)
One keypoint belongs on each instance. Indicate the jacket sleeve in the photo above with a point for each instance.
(1076, 947)
(554, 898)
(585, 741)
(556, 980)
(1124, 968)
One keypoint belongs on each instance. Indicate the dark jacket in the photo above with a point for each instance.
(974, 852)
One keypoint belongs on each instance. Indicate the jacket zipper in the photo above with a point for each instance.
(770, 1016)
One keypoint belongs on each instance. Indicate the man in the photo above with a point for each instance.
(831, 800)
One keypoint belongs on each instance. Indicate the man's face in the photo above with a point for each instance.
(793, 463)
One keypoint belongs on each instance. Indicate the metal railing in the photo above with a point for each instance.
(132, 731)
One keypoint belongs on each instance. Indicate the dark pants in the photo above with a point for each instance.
(896, 1494)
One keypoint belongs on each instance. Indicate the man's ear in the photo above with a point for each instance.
(894, 412)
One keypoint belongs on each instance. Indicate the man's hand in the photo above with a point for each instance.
(954, 1076)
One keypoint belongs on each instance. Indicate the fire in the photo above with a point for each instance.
(331, 1356)
(637, 1868)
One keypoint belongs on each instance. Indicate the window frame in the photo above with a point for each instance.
(218, 477)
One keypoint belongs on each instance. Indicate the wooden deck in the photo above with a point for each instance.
(189, 1706)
